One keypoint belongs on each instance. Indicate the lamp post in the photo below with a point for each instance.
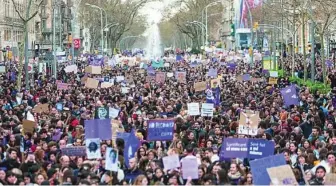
(281, 29)
(206, 19)
(106, 29)
(101, 24)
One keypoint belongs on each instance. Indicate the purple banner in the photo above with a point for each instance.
(160, 130)
(246, 77)
(246, 148)
(98, 128)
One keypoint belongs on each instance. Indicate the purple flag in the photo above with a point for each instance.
(209, 95)
(246, 77)
(98, 128)
(231, 66)
(150, 70)
(329, 63)
(216, 95)
(290, 96)
(131, 146)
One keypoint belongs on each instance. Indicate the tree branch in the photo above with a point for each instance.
(34, 14)
(18, 12)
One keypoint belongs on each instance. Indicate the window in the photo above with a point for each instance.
(7, 8)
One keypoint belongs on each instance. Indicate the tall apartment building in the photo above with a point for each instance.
(61, 9)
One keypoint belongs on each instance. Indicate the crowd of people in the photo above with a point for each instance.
(304, 133)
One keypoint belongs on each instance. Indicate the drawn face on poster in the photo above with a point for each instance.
(93, 147)
(102, 113)
(113, 156)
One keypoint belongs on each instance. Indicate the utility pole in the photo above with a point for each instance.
(54, 41)
(26, 45)
(312, 42)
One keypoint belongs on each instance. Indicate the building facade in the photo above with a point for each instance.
(11, 26)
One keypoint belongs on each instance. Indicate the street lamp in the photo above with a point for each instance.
(106, 29)
(101, 22)
(206, 18)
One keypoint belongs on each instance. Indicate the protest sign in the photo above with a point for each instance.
(207, 109)
(120, 78)
(170, 74)
(160, 77)
(273, 74)
(71, 68)
(125, 90)
(106, 85)
(62, 86)
(93, 148)
(290, 96)
(246, 148)
(28, 126)
(2, 69)
(40, 108)
(98, 128)
(273, 81)
(116, 127)
(181, 77)
(259, 168)
(171, 162)
(93, 69)
(91, 83)
(330, 179)
(131, 146)
(215, 83)
(200, 86)
(59, 106)
(160, 130)
(113, 113)
(166, 64)
(193, 109)
(212, 72)
(150, 78)
(248, 123)
(102, 113)
(83, 79)
(282, 175)
(111, 159)
(189, 168)
(74, 151)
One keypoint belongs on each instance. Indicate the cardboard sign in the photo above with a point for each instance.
(200, 86)
(160, 77)
(193, 109)
(83, 79)
(282, 175)
(171, 162)
(28, 126)
(272, 81)
(330, 179)
(207, 109)
(41, 108)
(116, 128)
(248, 123)
(93, 69)
(91, 83)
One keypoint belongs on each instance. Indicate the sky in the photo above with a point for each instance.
(154, 10)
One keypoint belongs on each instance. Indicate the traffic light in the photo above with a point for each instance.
(255, 25)
(309, 47)
(233, 30)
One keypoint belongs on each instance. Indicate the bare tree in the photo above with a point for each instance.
(23, 47)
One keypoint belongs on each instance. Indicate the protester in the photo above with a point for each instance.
(135, 121)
